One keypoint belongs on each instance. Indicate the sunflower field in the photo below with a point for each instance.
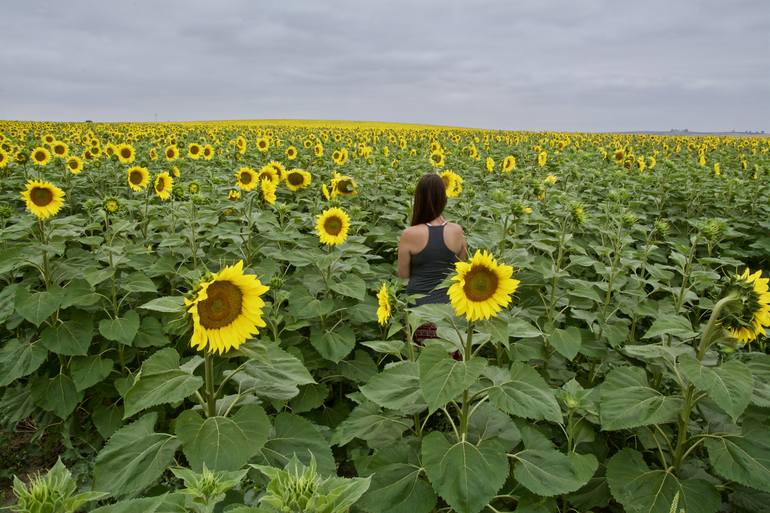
(205, 317)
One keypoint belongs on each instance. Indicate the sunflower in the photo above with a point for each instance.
(194, 188)
(270, 172)
(263, 144)
(509, 164)
(40, 156)
(194, 151)
(297, 179)
(48, 138)
(343, 185)
(550, 179)
(138, 177)
(291, 153)
(717, 169)
(318, 150)
(171, 152)
(453, 183)
(75, 165)
(747, 318)
(437, 159)
(383, 311)
(126, 153)
(111, 205)
(542, 157)
(247, 178)
(268, 189)
(4, 158)
(226, 310)
(490, 163)
(332, 226)
(60, 149)
(153, 154)
(234, 195)
(208, 152)
(175, 171)
(43, 199)
(482, 287)
(163, 185)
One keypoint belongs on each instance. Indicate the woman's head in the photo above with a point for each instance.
(429, 199)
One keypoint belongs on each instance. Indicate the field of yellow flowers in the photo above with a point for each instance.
(206, 317)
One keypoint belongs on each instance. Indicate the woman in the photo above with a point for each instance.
(429, 248)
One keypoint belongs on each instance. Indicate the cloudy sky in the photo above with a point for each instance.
(594, 65)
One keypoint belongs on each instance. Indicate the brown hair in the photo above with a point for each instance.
(429, 199)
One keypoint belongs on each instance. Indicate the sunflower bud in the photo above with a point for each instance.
(662, 227)
(111, 205)
(713, 228)
(578, 213)
(194, 188)
(276, 282)
(629, 219)
(5, 211)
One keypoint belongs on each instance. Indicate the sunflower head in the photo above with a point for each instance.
(234, 195)
(163, 185)
(74, 165)
(138, 178)
(747, 317)
(297, 179)
(111, 205)
(40, 156)
(481, 287)
(246, 178)
(271, 172)
(43, 199)
(268, 188)
(453, 183)
(383, 301)
(194, 188)
(60, 149)
(332, 226)
(126, 153)
(226, 309)
(343, 186)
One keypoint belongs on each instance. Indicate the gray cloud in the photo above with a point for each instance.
(556, 65)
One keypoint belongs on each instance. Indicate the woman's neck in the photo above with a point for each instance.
(440, 219)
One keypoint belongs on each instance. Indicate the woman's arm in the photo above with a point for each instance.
(404, 256)
(463, 253)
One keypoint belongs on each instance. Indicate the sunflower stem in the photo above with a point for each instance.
(44, 242)
(464, 414)
(211, 397)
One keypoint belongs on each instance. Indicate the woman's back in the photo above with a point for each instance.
(434, 249)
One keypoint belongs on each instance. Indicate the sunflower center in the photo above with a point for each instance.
(194, 150)
(135, 177)
(39, 156)
(59, 150)
(125, 153)
(333, 225)
(245, 178)
(169, 153)
(73, 164)
(345, 186)
(222, 306)
(41, 196)
(160, 185)
(295, 179)
(480, 283)
(265, 176)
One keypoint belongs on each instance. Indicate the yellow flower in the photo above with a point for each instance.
(263, 144)
(163, 185)
(318, 150)
(126, 153)
(43, 199)
(332, 226)
(247, 178)
(297, 179)
(383, 311)
(748, 317)
(138, 177)
(75, 165)
(325, 191)
(550, 179)
(226, 310)
(40, 156)
(509, 164)
(234, 195)
(291, 153)
(208, 152)
(717, 169)
(342, 185)
(268, 190)
(437, 159)
(271, 172)
(490, 162)
(4, 158)
(542, 157)
(482, 287)
(171, 153)
(453, 183)
(60, 149)
(111, 205)
(194, 151)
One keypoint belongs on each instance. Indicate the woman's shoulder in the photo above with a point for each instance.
(454, 227)
(410, 232)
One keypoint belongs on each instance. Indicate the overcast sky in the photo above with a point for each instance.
(593, 65)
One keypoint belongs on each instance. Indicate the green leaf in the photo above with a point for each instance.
(333, 345)
(134, 458)
(122, 329)
(272, 372)
(87, 371)
(160, 381)
(78, 293)
(742, 459)
(627, 401)
(673, 325)
(566, 342)
(150, 334)
(523, 392)
(350, 286)
(549, 472)
(443, 378)
(520, 328)
(397, 388)
(759, 365)
(642, 490)
(489, 422)
(369, 423)
(57, 395)
(465, 475)
(165, 304)
(223, 443)
(36, 307)
(166, 503)
(137, 282)
(293, 435)
(730, 384)
(19, 359)
(71, 337)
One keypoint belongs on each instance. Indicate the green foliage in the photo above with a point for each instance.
(52, 493)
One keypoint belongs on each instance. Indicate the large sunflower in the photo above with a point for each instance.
(40, 156)
(748, 317)
(291, 153)
(342, 185)
(226, 310)
(270, 172)
(297, 179)
(247, 178)
(332, 226)
(126, 153)
(509, 164)
(138, 177)
(60, 149)
(75, 165)
(43, 199)
(194, 151)
(383, 300)
(163, 185)
(482, 287)
(171, 152)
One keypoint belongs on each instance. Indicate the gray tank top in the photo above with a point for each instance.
(430, 266)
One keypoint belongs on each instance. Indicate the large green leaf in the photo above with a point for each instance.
(122, 329)
(465, 475)
(165, 304)
(549, 472)
(223, 443)
(293, 435)
(134, 458)
(89, 370)
(759, 364)
(160, 381)
(333, 345)
(71, 337)
(397, 387)
(643, 490)
(730, 384)
(673, 325)
(57, 395)
(489, 422)
(368, 422)
(36, 307)
(350, 286)
(272, 372)
(523, 392)
(19, 359)
(443, 378)
(627, 401)
(137, 282)
(566, 341)
(396, 486)
(166, 503)
(744, 458)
